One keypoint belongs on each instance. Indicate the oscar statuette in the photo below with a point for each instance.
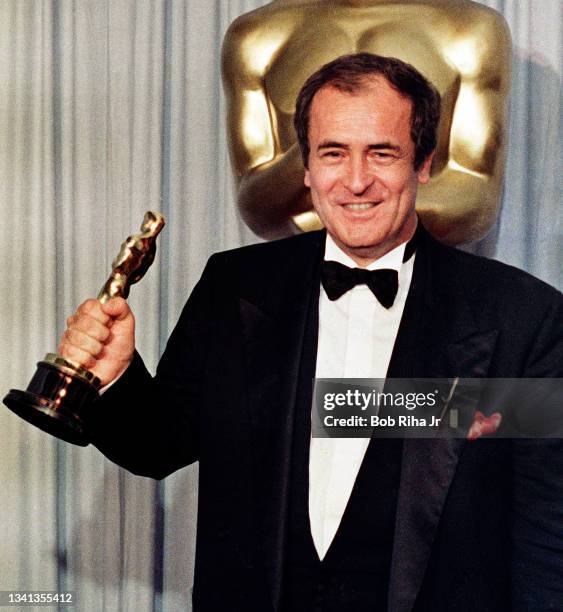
(62, 392)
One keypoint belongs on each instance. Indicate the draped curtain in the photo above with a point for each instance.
(110, 108)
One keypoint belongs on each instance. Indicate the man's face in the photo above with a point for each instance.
(363, 183)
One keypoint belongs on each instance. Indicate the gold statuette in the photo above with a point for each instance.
(62, 391)
(462, 47)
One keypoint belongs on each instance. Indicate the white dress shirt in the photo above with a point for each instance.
(356, 339)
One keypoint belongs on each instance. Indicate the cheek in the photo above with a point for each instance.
(401, 186)
(321, 182)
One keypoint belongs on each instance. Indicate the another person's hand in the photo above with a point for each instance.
(101, 338)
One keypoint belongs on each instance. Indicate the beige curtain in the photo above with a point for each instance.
(112, 107)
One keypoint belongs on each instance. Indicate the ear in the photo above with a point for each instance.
(424, 171)
(307, 179)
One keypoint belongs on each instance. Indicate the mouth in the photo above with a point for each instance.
(359, 206)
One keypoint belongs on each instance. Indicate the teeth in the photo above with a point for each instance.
(358, 206)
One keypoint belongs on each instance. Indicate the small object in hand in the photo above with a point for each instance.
(61, 392)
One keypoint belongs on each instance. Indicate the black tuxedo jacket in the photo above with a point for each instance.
(479, 525)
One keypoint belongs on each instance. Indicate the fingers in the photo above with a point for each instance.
(88, 343)
(88, 326)
(76, 354)
(88, 330)
(100, 337)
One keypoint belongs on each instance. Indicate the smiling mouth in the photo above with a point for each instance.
(360, 206)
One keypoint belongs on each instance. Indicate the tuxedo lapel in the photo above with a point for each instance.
(274, 324)
(438, 338)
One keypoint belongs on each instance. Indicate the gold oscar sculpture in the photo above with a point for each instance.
(62, 391)
(462, 47)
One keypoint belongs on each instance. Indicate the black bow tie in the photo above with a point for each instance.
(337, 279)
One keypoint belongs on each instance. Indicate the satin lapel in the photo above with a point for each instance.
(274, 325)
(444, 342)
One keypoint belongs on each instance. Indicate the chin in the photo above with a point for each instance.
(365, 241)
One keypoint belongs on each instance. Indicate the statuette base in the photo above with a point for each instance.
(57, 385)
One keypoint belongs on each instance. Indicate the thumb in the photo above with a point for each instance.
(117, 308)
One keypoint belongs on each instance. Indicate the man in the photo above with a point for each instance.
(289, 522)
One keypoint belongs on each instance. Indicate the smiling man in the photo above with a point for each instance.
(287, 521)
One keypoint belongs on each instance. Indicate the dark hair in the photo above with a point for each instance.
(349, 73)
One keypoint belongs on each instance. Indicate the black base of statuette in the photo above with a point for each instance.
(57, 399)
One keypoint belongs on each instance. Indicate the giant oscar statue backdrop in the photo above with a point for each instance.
(462, 47)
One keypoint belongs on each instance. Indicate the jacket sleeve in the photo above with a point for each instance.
(537, 560)
(150, 425)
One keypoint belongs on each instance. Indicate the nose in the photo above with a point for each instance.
(359, 177)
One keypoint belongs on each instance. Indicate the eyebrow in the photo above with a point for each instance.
(332, 144)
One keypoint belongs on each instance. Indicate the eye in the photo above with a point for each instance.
(333, 154)
(383, 157)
